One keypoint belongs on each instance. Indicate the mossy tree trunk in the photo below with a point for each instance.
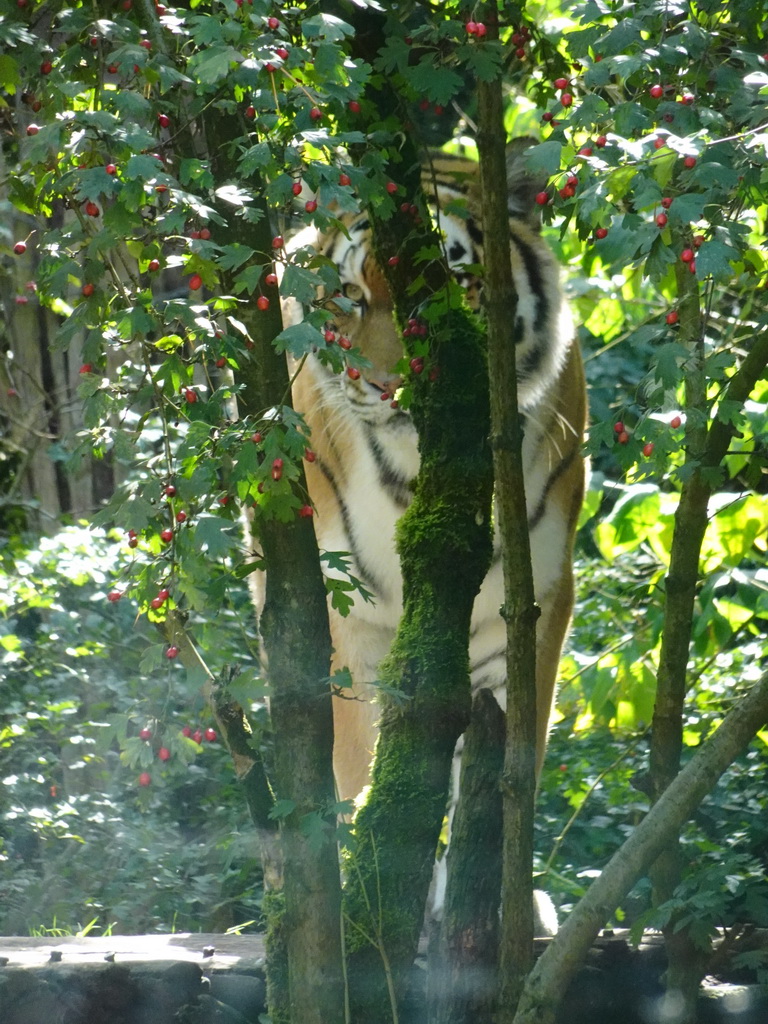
(296, 636)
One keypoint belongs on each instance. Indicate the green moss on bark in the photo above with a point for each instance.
(444, 541)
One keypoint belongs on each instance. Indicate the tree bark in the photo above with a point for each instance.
(520, 611)
(704, 452)
(550, 977)
(462, 971)
(294, 627)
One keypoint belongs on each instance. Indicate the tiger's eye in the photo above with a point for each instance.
(353, 292)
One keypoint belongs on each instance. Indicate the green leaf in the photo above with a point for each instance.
(234, 256)
(9, 73)
(326, 26)
(434, 81)
(298, 339)
(213, 64)
(301, 283)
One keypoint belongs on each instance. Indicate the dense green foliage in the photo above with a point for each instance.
(114, 194)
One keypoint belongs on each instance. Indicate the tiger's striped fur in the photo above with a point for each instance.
(367, 454)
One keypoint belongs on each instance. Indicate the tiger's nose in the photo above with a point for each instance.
(386, 383)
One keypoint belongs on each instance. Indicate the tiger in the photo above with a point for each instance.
(367, 457)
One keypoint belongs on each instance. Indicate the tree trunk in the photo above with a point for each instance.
(462, 971)
(520, 611)
(299, 652)
(552, 974)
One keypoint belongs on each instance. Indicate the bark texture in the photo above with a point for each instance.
(462, 971)
(520, 611)
(550, 977)
(704, 452)
(295, 633)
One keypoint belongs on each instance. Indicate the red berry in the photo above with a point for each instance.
(278, 242)
(257, 438)
(560, 83)
(262, 302)
(648, 449)
(309, 455)
(354, 106)
(698, 241)
(221, 362)
(675, 422)
(273, 23)
(170, 490)
(181, 517)
(542, 198)
(330, 336)
(306, 512)
(92, 209)
(687, 99)
(172, 652)
(145, 779)
(438, 109)
(345, 343)
(296, 188)
(46, 67)
(519, 52)
(250, 112)
(566, 99)
(601, 140)
(20, 248)
(623, 437)
(195, 282)
(163, 120)
(417, 365)
(391, 187)
(145, 43)
(344, 179)
(393, 261)
(282, 52)
(689, 162)
(114, 595)
(686, 255)
(659, 143)
(601, 232)
(112, 69)
(133, 542)
(86, 368)
(353, 373)
(547, 115)
(618, 426)
(33, 129)
(311, 205)
(277, 469)
(572, 181)
(210, 735)
(166, 536)
(111, 169)
(154, 265)
(315, 113)
(186, 731)
(88, 289)
(481, 30)
(145, 734)
(471, 27)
(585, 151)
(270, 68)
(197, 736)
(656, 91)
(666, 202)
(672, 317)
(164, 753)
(661, 219)
(190, 395)
(271, 280)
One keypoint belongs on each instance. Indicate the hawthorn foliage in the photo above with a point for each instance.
(652, 156)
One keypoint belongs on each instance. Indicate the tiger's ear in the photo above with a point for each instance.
(522, 182)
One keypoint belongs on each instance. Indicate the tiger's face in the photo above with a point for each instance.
(368, 323)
